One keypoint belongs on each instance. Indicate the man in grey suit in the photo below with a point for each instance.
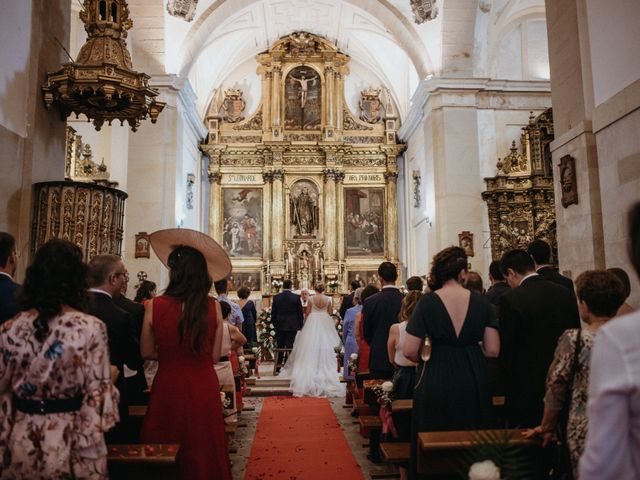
(286, 315)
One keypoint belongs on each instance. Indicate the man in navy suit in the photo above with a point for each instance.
(8, 288)
(540, 251)
(286, 315)
(379, 312)
(107, 276)
(533, 315)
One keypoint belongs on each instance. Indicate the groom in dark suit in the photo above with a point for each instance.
(286, 315)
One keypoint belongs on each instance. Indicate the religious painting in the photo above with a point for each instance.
(568, 181)
(304, 211)
(364, 223)
(465, 240)
(250, 280)
(242, 221)
(364, 277)
(142, 245)
(302, 93)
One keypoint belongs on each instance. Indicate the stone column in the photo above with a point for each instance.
(392, 216)
(277, 214)
(329, 83)
(340, 215)
(338, 107)
(275, 95)
(329, 214)
(266, 106)
(266, 214)
(215, 203)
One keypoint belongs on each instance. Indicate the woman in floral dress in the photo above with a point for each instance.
(600, 294)
(56, 396)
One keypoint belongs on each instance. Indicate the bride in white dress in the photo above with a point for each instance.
(312, 362)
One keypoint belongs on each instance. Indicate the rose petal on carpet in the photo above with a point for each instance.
(300, 438)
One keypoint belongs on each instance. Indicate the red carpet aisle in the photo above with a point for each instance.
(299, 438)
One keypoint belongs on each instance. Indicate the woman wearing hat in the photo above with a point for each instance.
(182, 329)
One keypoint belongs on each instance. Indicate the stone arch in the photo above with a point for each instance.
(400, 27)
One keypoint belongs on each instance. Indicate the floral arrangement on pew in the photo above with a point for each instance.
(353, 364)
(384, 396)
(226, 401)
(339, 349)
(266, 334)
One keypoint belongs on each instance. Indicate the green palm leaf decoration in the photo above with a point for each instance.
(516, 460)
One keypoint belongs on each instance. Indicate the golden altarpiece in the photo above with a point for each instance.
(520, 197)
(302, 188)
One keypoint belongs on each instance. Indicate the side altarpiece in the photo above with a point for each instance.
(520, 197)
(302, 188)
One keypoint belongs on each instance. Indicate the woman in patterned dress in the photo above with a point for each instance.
(600, 294)
(56, 396)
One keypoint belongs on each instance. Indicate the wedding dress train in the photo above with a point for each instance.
(312, 362)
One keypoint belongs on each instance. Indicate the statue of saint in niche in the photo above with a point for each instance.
(304, 209)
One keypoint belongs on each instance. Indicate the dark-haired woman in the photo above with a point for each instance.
(146, 291)
(182, 329)
(452, 389)
(56, 396)
(249, 313)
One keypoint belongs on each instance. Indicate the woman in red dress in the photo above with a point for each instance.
(182, 329)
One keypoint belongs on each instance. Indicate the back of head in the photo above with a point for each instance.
(56, 277)
(495, 272)
(355, 285)
(388, 272)
(409, 303)
(357, 294)
(368, 291)
(446, 265)
(634, 237)
(474, 282)
(146, 291)
(517, 260)
(244, 292)
(221, 286)
(7, 246)
(287, 284)
(190, 282)
(624, 278)
(601, 290)
(225, 308)
(414, 284)
(319, 288)
(540, 251)
(101, 267)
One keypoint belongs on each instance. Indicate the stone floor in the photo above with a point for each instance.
(269, 385)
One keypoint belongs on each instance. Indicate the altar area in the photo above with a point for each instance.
(302, 188)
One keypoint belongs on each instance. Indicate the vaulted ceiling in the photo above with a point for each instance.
(380, 36)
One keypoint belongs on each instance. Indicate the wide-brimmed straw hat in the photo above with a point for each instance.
(165, 241)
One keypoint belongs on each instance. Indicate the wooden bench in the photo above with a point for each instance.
(395, 453)
(280, 357)
(143, 461)
(368, 424)
(439, 453)
(361, 376)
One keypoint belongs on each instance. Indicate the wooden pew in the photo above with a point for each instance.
(368, 424)
(361, 376)
(440, 452)
(143, 461)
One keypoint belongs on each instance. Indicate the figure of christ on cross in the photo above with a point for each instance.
(304, 87)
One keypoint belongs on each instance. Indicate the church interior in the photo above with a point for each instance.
(314, 140)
